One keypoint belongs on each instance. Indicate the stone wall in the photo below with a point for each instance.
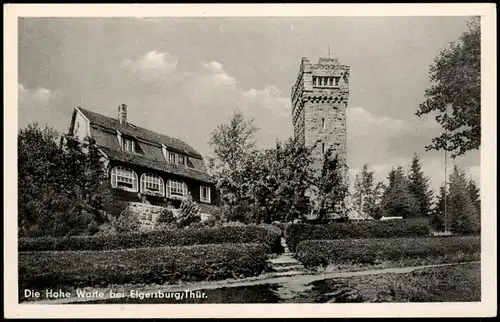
(319, 102)
(147, 214)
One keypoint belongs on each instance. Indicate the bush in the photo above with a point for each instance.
(314, 253)
(166, 217)
(296, 233)
(57, 269)
(158, 238)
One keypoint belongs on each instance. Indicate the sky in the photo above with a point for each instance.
(184, 76)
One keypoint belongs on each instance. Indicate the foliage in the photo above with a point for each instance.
(259, 185)
(60, 184)
(475, 196)
(462, 212)
(456, 81)
(190, 212)
(277, 181)
(166, 217)
(438, 218)
(314, 253)
(136, 266)
(367, 194)
(232, 143)
(296, 233)
(158, 238)
(418, 185)
(332, 190)
(397, 199)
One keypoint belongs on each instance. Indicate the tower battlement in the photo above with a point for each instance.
(319, 101)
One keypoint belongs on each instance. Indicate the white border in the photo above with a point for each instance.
(488, 161)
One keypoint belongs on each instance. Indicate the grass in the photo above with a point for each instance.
(457, 283)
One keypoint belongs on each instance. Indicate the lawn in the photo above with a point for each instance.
(457, 283)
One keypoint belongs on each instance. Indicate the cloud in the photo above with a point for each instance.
(152, 64)
(384, 142)
(36, 102)
(195, 98)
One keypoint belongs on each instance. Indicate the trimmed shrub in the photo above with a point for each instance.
(296, 233)
(158, 238)
(38, 270)
(313, 253)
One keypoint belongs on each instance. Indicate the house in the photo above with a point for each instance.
(145, 167)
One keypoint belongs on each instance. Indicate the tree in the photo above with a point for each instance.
(456, 81)
(278, 180)
(474, 195)
(397, 199)
(332, 191)
(438, 218)
(59, 184)
(233, 141)
(459, 206)
(233, 145)
(418, 185)
(367, 194)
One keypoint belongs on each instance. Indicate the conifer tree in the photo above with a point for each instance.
(474, 195)
(438, 218)
(332, 190)
(461, 209)
(418, 185)
(367, 193)
(190, 212)
(397, 199)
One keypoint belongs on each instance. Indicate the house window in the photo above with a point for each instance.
(171, 157)
(128, 145)
(323, 148)
(177, 188)
(152, 183)
(314, 80)
(323, 123)
(124, 178)
(337, 81)
(181, 159)
(204, 194)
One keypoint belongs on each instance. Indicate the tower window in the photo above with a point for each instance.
(323, 148)
(314, 80)
(323, 123)
(337, 81)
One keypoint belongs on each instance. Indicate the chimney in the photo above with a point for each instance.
(122, 113)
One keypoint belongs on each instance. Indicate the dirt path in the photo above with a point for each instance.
(289, 285)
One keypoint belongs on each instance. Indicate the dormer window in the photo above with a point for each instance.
(171, 157)
(181, 159)
(128, 145)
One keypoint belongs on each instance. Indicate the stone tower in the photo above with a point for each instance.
(319, 102)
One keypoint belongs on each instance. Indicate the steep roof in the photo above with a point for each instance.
(104, 131)
(151, 163)
(139, 132)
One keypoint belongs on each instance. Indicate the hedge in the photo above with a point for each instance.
(56, 269)
(158, 238)
(314, 253)
(296, 233)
